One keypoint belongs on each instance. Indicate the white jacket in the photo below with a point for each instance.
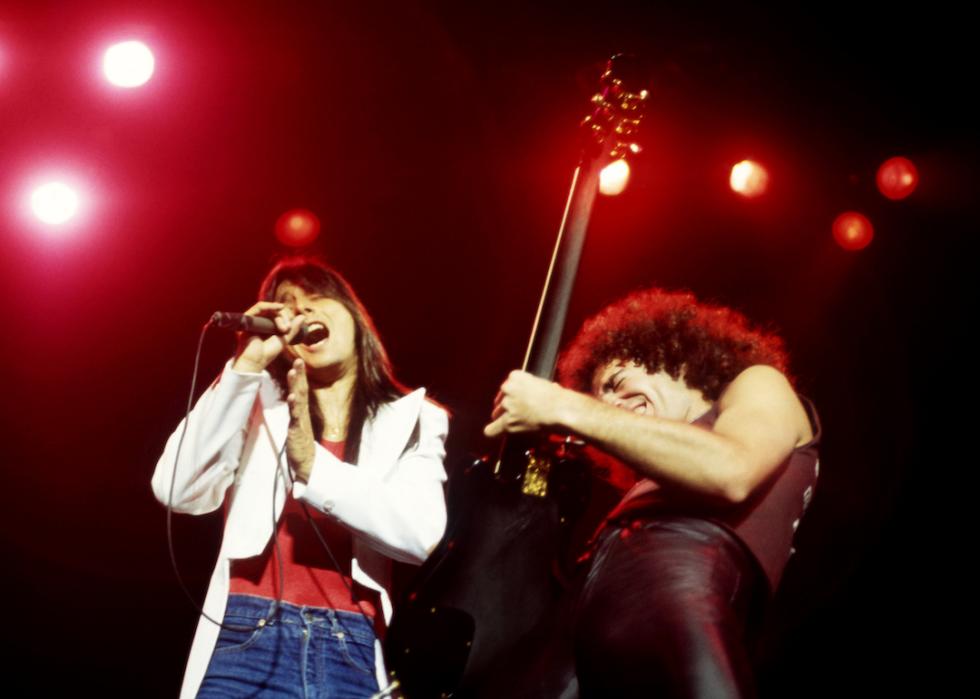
(392, 500)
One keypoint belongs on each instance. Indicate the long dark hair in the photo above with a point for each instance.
(375, 383)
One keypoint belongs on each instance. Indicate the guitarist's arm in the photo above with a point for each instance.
(760, 421)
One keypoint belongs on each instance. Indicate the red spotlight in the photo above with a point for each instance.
(614, 177)
(54, 203)
(897, 178)
(297, 227)
(128, 64)
(749, 179)
(853, 231)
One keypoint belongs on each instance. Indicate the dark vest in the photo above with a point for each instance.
(765, 523)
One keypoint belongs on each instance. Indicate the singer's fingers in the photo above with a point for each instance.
(279, 313)
(296, 379)
(256, 351)
(295, 407)
(298, 397)
(284, 319)
(299, 408)
(293, 328)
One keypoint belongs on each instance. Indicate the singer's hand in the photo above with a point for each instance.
(300, 444)
(256, 352)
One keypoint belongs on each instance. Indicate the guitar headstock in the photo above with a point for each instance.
(610, 130)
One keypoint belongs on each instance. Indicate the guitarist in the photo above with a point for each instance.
(722, 451)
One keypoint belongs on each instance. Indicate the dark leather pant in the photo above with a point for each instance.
(665, 610)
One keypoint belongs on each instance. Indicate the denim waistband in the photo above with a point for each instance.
(262, 610)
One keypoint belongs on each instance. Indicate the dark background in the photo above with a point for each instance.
(436, 140)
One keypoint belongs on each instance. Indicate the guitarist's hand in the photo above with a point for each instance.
(526, 403)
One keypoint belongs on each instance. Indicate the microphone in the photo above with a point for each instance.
(258, 325)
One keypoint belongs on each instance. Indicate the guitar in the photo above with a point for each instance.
(481, 601)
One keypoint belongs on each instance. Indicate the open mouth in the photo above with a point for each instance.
(315, 334)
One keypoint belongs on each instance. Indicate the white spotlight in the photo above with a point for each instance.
(54, 202)
(128, 64)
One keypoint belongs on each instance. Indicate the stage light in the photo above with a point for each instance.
(614, 177)
(128, 64)
(897, 178)
(54, 203)
(852, 231)
(749, 179)
(297, 228)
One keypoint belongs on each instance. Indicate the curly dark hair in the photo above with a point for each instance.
(670, 331)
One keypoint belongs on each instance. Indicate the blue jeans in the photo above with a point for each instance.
(295, 652)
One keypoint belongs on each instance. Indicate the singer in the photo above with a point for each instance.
(290, 429)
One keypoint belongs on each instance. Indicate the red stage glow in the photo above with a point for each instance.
(614, 177)
(54, 203)
(897, 178)
(297, 228)
(128, 64)
(749, 179)
(853, 231)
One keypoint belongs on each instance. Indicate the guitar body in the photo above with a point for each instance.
(448, 638)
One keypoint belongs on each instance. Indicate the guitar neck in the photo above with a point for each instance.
(608, 133)
(542, 349)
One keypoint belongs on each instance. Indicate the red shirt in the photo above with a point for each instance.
(309, 576)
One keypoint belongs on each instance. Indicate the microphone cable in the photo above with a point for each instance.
(170, 499)
(275, 524)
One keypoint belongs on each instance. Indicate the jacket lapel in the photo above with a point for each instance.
(385, 437)
(382, 441)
